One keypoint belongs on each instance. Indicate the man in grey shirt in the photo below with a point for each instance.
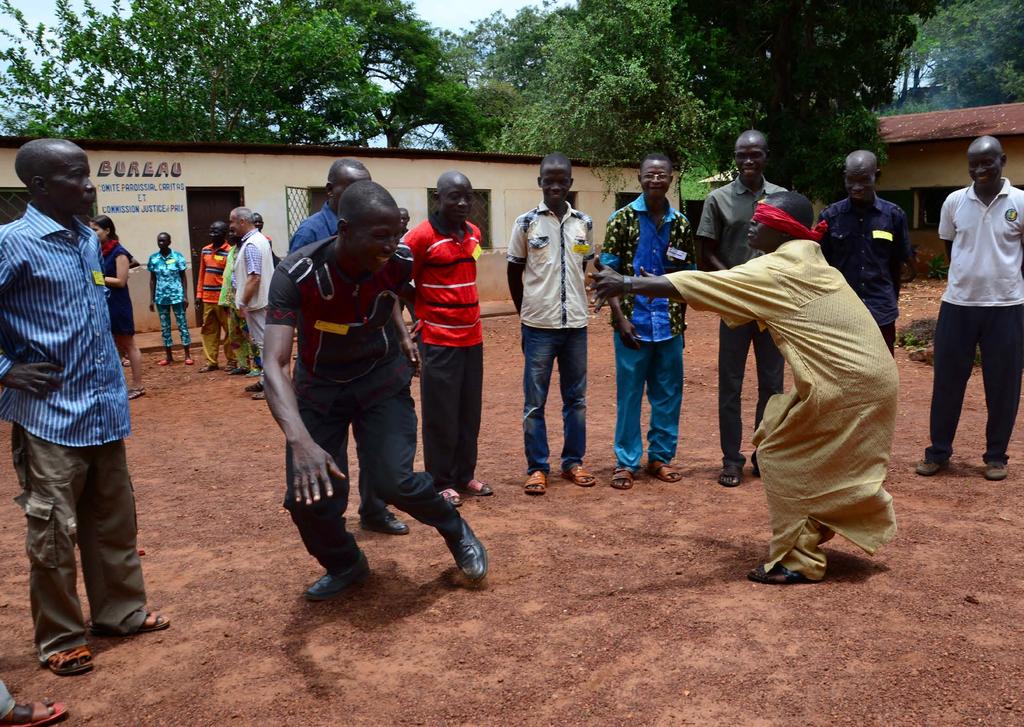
(722, 239)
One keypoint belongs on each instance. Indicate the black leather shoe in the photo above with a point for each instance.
(387, 523)
(332, 585)
(754, 469)
(470, 554)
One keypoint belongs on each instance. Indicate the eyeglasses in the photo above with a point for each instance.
(655, 177)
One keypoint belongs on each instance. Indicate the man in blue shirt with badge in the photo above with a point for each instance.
(324, 223)
(867, 241)
(64, 392)
(648, 235)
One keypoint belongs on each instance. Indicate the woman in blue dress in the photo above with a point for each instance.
(116, 260)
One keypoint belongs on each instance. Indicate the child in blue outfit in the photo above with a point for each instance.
(167, 292)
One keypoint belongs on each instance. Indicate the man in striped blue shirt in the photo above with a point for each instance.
(64, 392)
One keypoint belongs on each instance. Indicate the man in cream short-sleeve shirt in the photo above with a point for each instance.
(547, 255)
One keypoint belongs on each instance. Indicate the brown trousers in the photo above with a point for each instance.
(78, 496)
(215, 322)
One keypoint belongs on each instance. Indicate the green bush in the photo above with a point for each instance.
(938, 268)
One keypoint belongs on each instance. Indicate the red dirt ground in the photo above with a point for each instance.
(602, 607)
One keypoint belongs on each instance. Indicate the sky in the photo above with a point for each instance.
(457, 14)
(446, 14)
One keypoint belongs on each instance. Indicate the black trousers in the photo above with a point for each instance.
(733, 347)
(999, 331)
(385, 433)
(451, 393)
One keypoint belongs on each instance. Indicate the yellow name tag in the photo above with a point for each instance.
(340, 328)
(581, 248)
(97, 277)
(172, 261)
(476, 252)
(881, 235)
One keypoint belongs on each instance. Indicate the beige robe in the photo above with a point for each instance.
(823, 449)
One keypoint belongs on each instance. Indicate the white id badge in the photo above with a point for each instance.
(676, 254)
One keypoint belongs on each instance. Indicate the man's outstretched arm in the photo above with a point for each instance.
(312, 466)
(607, 284)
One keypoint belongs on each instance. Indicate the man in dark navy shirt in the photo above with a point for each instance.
(353, 369)
(867, 241)
(324, 223)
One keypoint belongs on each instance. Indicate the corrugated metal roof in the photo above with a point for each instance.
(1001, 120)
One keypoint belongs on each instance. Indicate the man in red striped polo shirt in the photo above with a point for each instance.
(445, 248)
(212, 262)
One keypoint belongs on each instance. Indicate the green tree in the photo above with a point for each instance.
(976, 50)
(290, 71)
(496, 60)
(615, 86)
(240, 70)
(417, 96)
(686, 76)
(808, 73)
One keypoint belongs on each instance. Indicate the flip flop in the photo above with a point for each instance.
(475, 488)
(189, 362)
(451, 496)
(136, 393)
(161, 623)
(60, 711)
(163, 362)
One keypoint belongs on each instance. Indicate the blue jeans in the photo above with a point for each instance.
(659, 367)
(541, 348)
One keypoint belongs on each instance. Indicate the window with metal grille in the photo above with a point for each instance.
(479, 214)
(13, 201)
(297, 207)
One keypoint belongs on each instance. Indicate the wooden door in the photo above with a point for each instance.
(206, 205)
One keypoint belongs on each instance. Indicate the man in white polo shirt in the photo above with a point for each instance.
(547, 256)
(983, 306)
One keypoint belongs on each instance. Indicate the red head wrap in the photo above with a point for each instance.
(782, 221)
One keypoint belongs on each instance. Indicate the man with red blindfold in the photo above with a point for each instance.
(823, 448)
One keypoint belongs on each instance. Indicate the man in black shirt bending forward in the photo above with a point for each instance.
(354, 366)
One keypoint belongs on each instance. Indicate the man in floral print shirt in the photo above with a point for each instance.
(648, 235)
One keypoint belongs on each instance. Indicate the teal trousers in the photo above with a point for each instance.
(658, 367)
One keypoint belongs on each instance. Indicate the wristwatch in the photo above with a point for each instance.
(627, 284)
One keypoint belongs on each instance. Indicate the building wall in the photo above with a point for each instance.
(915, 168)
(140, 213)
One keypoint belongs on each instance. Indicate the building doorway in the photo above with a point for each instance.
(206, 205)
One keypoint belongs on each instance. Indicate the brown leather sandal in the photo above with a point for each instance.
(622, 478)
(579, 476)
(663, 471)
(71, 661)
(537, 484)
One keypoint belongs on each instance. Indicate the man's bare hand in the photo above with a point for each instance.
(35, 378)
(605, 283)
(312, 469)
(627, 332)
(411, 353)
